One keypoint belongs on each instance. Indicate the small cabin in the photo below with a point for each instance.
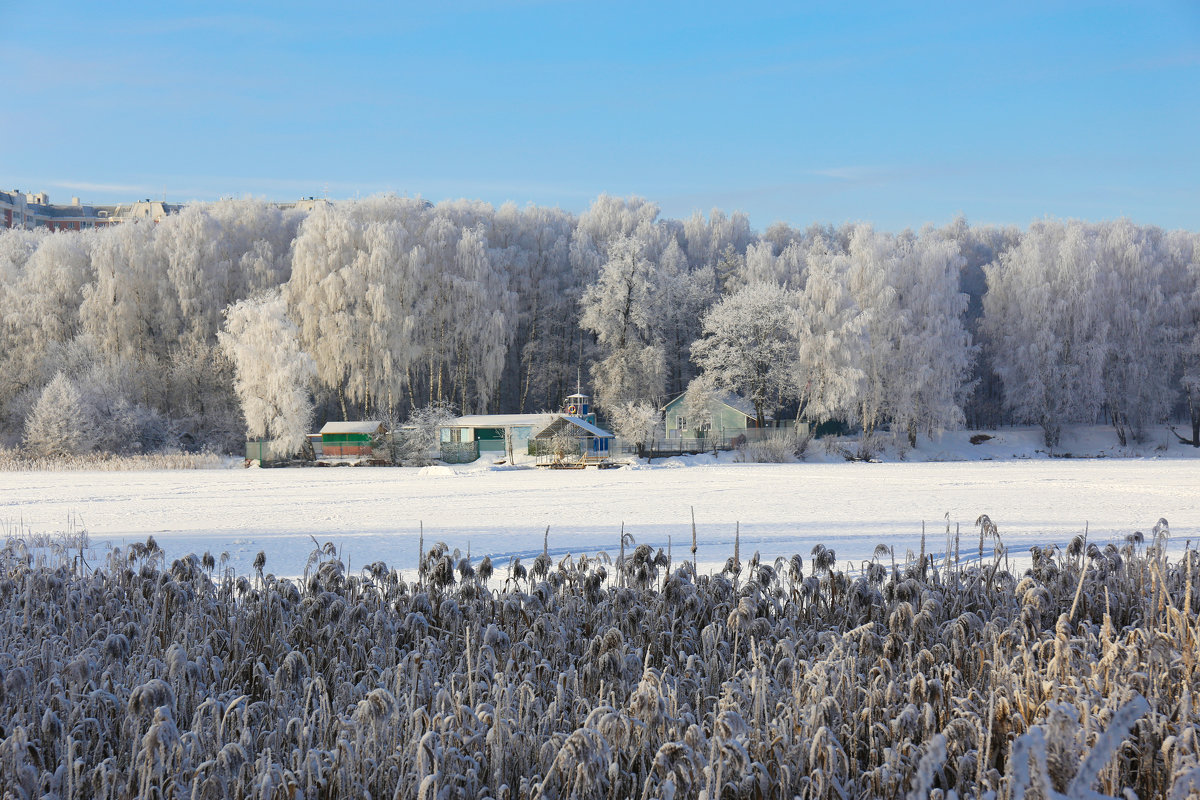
(466, 438)
(352, 440)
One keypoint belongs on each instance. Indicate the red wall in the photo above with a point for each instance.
(346, 450)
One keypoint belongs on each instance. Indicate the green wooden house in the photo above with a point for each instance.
(728, 415)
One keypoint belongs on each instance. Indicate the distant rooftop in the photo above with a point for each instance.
(30, 210)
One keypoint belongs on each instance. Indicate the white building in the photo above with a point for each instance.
(467, 437)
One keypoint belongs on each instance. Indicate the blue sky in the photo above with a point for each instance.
(895, 114)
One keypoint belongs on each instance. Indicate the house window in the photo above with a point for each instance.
(682, 422)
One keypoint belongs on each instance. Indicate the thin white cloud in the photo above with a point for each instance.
(84, 186)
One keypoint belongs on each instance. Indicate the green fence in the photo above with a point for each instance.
(260, 450)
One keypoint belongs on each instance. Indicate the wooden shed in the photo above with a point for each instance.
(351, 440)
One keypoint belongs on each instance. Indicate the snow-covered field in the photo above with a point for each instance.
(376, 514)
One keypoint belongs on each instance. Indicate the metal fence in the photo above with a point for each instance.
(460, 452)
(715, 441)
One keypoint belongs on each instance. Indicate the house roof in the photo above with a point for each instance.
(737, 403)
(726, 398)
(501, 421)
(560, 421)
(369, 426)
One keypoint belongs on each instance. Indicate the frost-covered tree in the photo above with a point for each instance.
(483, 312)
(750, 347)
(1190, 381)
(881, 339)
(41, 310)
(827, 330)
(868, 275)
(699, 401)
(1185, 251)
(619, 308)
(611, 227)
(637, 422)
(534, 244)
(197, 388)
(122, 423)
(1048, 332)
(760, 266)
(1138, 287)
(52, 289)
(610, 220)
(218, 253)
(273, 375)
(355, 298)
(979, 246)
(1087, 318)
(684, 295)
(465, 308)
(420, 434)
(929, 360)
(402, 302)
(59, 424)
(124, 309)
(763, 265)
(719, 242)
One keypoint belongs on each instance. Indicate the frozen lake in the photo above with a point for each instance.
(376, 514)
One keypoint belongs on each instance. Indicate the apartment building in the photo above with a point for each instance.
(28, 210)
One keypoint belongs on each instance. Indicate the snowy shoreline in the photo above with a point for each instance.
(780, 509)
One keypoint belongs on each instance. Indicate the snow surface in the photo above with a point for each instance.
(376, 514)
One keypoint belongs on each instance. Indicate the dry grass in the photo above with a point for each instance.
(781, 447)
(15, 460)
(588, 678)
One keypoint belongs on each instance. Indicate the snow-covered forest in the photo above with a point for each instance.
(237, 318)
(631, 676)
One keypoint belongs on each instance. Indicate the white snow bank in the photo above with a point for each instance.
(436, 471)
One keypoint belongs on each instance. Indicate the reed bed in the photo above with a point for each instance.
(16, 460)
(598, 678)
